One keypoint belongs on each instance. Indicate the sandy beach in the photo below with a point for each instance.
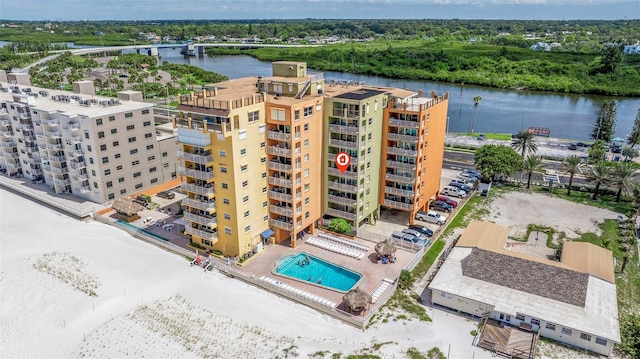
(84, 289)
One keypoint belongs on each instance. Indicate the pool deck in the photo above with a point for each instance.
(372, 273)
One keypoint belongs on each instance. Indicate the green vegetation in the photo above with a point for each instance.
(489, 136)
(428, 259)
(434, 353)
(497, 160)
(402, 303)
(192, 74)
(630, 333)
(340, 225)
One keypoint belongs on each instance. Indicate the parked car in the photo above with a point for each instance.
(408, 237)
(440, 206)
(573, 146)
(431, 217)
(141, 200)
(453, 191)
(472, 172)
(469, 177)
(166, 195)
(422, 229)
(469, 183)
(481, 137)
(415, 233)
(461, 186)
(448, 201)
(616, 149)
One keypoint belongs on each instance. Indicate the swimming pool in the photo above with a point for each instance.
(318, 272)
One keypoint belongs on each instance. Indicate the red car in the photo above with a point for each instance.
(448, 201)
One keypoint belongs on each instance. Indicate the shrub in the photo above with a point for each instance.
(406, 279)
(340, 225)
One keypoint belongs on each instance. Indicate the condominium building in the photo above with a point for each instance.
(93, 147)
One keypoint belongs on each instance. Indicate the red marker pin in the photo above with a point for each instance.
(342, 161)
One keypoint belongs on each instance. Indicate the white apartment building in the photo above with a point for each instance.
(93, 147)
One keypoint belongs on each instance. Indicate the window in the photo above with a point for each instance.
(566, 331)
(112, 196)
(243, 151)
(227, 216)
(109, 184)
(95, 184)
(86, 135)
(254, 116)
(174, 174)
(369, 136)
(245, 199)
(133, 151)
(114, 131)
(99, 121)
(128, 114)
(101, 134)
(306, 172)
(117, 155)
(262, 145)
(306, 214)
(223, 169)
(519, 317)
(130, 127)
(123, 191)
(121, 179)
(307, 186)
(247, 228)
(601, 341)
(138, 185)
(263, 159)
(535, 321)
(119, 167)
(242, 134)
(306, 143)
(105, 159)
(551, 326)
(116, 143)
(151, 158)
(306, 127)
(245, 184)
(585, 336)
(107, 172)
(154, 180)
(265, 204)
(264, 189)
(165, 165)
(164, 154)
(262, 128)
(152, 169)
(225, 200)
(91, 160)
(296, 115)
(227, 230)
(135, 163)
(89, 148)
(148, 135)
(137, 174)
(146, 123)
(277, 114)
(112, 118)
(308, 111)
(145, 112)
(264, 174)
(222, 153)
(246, 214)
(265, 218)
(243, 168)
(306, 201)
(149, 147)
(132, 139)
(103, 147)
(225, 185)
(306, 157)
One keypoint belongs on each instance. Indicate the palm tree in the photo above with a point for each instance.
(524, 142)
(598, 173)
(622, 177)
(531, 165)
(476, 102)
(572, 165)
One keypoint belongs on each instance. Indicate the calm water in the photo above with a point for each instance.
(567, 115)
(329, 274)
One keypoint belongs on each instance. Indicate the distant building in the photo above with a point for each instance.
(572, 301)
(540, 46)
(632, 49)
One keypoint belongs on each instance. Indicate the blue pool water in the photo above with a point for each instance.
(332, 276)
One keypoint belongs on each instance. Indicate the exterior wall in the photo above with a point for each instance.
(460, 303)
(433, 154)
(289, 69)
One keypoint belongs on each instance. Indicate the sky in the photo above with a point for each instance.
(319, 9)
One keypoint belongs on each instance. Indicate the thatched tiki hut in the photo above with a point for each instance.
(356, 300)
(127, 210)
(385, 248)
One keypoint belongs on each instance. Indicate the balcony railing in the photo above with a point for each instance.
(190, 187)
(401, 179)
(277, 166)
(204, 220)
(277, 181)
(279, 151)
(281, 136)
(75, 153)
(57, 158)
(53, 134)
(61, 182)
(353, 130)
(285, 211)
(80, 177)
(405, 138)
(210, 236)
(7, 133)
(59, 170)
(342, 200)
(401, 123)
(13, 165)
(10, 154)
(347, 174)
(396, 164)
(398, 205)
(341, 187)
(194, 157)
(354, 160)
(202, 175)
(402, 151)
(51, 121)
(203, 205)
(339, 112)
(399, 192)
(342, 214)
(8, 144)
(343, 144)
(280, 196)
(281, 224)
(5, 122)
(54, 146)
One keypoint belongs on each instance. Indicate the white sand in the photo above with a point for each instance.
(152, 304)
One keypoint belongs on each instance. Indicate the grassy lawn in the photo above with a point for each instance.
(428, 259)
(489, 136)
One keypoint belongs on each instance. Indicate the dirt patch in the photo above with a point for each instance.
(516, 210)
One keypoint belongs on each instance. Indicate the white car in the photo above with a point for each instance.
(464, 181)
(431, 217)
(453, 191)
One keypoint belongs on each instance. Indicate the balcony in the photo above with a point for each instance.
(13, 165)
(339, 112)
(404, 138)
(277, 166)
(347, 174)
(279, 151)
(342, 200)
(401, 151)
(51, 121)
(7, 133)
(398, 205)
(58, 159)
(396, 164)
(278, 181)
(342, 214)
(332, 157)
(75, 153)
(195, 157)
(10, 154)
(61, 182)
(202, 175)
(29, 138)
(8, 144)
(401, 123)
(75, 138)
(280, 196)
(281, 210)
(5, 122)
(193, 188)
(210, 236)
(84, 189)
(54, 146)
(76, 165)
(74, 126)
(350, 130)
(203, 205)
(281, 224)
(53, 134)
(343, 144)
(80, 177)
(399, 192)
(401, 179)
(209, 221)
(341, 187)
(280, 136)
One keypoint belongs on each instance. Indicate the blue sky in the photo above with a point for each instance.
(333, 9)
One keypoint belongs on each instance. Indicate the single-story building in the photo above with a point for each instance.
(572, 301)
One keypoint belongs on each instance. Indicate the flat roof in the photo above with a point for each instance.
(598, 316)
(45, 103)
(359, 94)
